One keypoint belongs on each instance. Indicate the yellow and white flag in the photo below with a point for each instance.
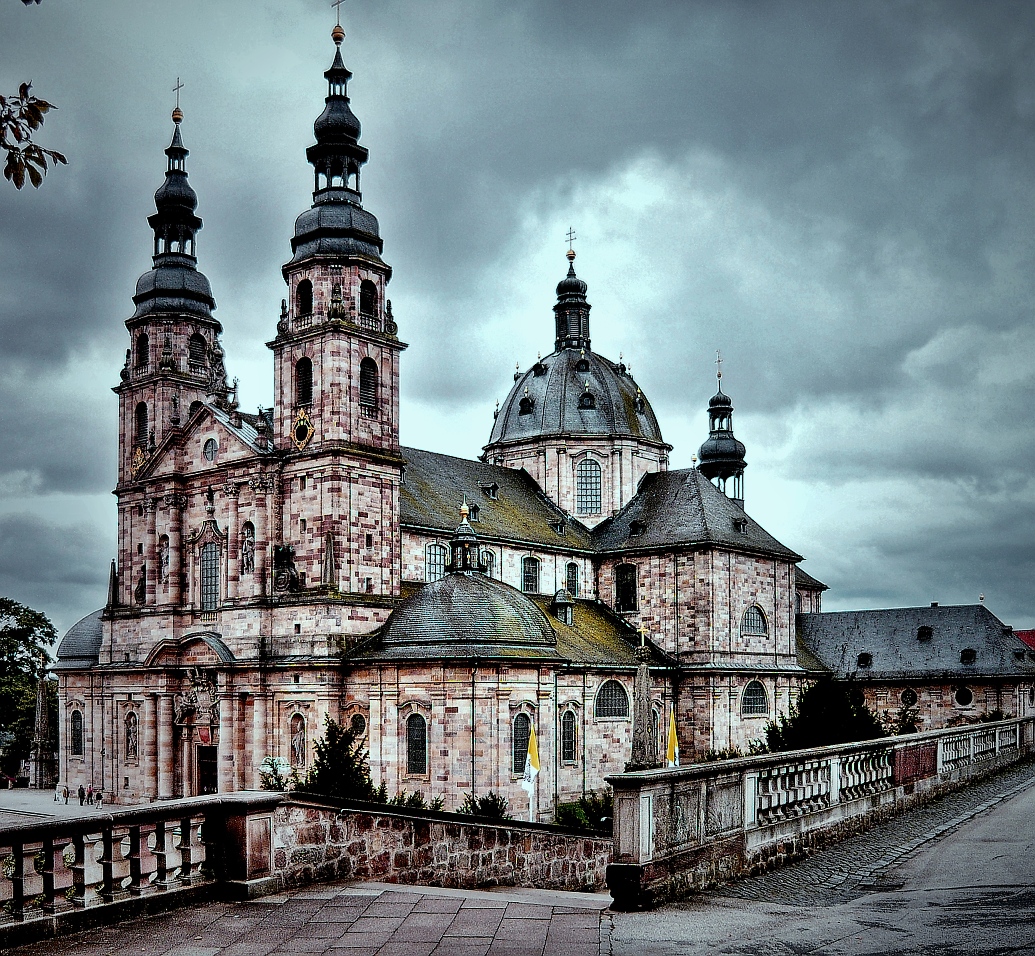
(531, 762)
(672, 752)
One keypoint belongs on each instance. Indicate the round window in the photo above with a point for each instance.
(964, 697)
(909, 697)
(211, 447)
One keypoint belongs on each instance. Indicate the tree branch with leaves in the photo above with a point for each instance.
(21, 116)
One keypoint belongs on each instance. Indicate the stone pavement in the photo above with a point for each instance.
(954, 877)
(23, 805)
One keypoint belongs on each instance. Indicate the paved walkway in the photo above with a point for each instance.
(955, 877)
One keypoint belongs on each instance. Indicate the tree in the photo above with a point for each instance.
(340, 767)
(26, 637)
(827, 712)
(20, 117)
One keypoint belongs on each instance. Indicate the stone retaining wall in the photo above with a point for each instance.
(313, 842)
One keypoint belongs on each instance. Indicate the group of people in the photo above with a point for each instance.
(87, 795)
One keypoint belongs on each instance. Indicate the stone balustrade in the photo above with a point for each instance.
(686, 828)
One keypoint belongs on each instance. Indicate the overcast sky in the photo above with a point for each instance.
(839, 196)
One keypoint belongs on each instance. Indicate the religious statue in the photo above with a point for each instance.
(131, 736)
(140, 591)
(298, 741)
(248, 549)
(163, 558)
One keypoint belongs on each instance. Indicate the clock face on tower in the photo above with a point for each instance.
(303, 430)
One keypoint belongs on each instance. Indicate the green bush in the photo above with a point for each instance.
(340, 767)
(492, 805)
(591, 814)
(827, 712)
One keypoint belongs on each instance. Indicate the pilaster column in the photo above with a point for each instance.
(149, 750)
(260, 747)
(165, 746)
(233, 543)
(263, 487)
(176, 503)
(151, 550)
(225, 755)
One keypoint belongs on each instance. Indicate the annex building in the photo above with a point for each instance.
(279, 567)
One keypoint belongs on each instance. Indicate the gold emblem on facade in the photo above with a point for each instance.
(303, 429)
(139, 460)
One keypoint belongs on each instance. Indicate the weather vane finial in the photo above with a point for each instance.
(177, 113)
(571, 237)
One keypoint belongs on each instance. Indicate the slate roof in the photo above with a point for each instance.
(81, 645)
(803, 579)
(555, 393)
(681, 508)
(889, 636)
(470, 616)
(434, 485)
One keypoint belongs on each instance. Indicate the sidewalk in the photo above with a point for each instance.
(20, 806)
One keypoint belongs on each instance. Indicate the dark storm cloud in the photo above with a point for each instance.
(60, 569)
(839, 196)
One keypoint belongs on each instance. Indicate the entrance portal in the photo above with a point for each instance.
(208, 780)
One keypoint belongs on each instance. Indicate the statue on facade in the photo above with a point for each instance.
(248, 550)
(298, 741)
(163, 558)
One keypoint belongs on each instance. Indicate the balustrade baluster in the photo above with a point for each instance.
(107, 888)
(161, 857)
(134, 860)
(79, 870)
(186, 856)
(17, 901)
(48, 903)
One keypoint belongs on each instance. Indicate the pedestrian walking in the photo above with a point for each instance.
(82, 794)
(66, 795)
(57, 794)
(89, 794)
(100, 797)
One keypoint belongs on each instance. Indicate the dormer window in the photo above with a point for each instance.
(637, 527)
(587, 399)
(558, 526)
(865, 660)
(526, 405)
(538, 369)
(740, 525)
(474, 513)
(924, 633)
(968, 655)
(491, 491)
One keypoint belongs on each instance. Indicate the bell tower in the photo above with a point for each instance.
(174, 362)
(336, 371)
(722, 455)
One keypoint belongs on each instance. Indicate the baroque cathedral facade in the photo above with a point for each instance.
(279, 568)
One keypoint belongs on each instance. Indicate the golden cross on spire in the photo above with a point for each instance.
(176, 90)
(571, 237)
(718, 365)
(337, 4)
(643, 635)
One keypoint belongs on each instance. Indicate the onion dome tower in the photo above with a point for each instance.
(174, 363)
(336, 360)
(721, 457)
(576, 421)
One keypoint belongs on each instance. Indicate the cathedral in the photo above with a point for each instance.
(280, 568)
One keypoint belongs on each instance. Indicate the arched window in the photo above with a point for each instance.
(140, 430)
(298, 741)
(143, 355)
(489, 560)
(358, 723)
(655, 729)
(194, 407)
(76, 726)
(530, 575)
(304, 382)
(416, 744)
(753, 622)
(571, 581)
(131, 736)
(755, 701)
(587, 487)
(210, 576)
(625, 587)
(435, 567)
(569, 737)
(367, 298)
(197, 349)
(519, 742)
(368, 385)
(612, 700)
(304, 298)
(797, 602)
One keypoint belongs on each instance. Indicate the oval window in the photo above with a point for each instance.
(964, 697)
(211, 447)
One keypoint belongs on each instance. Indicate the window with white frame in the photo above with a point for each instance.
(755, 701)
(437, 557)
(569, 737)
(519, 742)
(587, 487)
(612, 700)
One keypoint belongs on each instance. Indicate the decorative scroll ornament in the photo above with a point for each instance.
(303, 430)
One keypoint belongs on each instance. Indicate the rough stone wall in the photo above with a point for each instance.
(317, 843)
(937, 705)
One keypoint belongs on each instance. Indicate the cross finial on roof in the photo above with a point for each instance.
(571, 237)
(337, 5)
(718, 365)
(642, 631)
(176, 90)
